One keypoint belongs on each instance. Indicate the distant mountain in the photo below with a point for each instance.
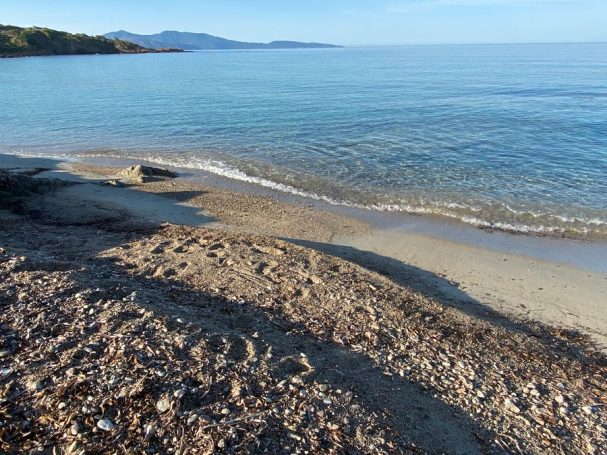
(203, 41)
(32, 41)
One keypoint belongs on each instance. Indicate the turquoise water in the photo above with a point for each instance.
(508, 136)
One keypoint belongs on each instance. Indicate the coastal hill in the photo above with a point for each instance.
(35, 41)
(204, 41)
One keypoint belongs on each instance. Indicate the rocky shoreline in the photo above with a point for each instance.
(18, 42)
(49, 54)
(121, 336)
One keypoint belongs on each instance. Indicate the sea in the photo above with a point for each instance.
(506, 137)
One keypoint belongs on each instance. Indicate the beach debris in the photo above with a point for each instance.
(258, 367)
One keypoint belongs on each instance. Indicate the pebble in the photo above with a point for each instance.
(149, 430)
(75, 429)
(225, 411)
(35, 385)
(179, 394)
(105, 425)
(560, 399)
(4, 353)
(163, 405)
(510, 406)
(193, 418)
(588, 409)
(591, 448)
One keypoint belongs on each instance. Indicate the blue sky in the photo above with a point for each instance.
(354, 22)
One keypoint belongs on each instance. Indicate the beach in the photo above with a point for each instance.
(195, 313)
(556, 281)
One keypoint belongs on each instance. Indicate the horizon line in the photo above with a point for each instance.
(467, 43)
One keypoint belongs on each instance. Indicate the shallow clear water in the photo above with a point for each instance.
(509, 136)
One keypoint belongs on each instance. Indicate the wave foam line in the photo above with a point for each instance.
(223, 169)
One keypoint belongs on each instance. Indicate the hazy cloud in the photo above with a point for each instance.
(408, 5)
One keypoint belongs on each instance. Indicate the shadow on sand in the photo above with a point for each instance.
(562, 341)
(419, 419)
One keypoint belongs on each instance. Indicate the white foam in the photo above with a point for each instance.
(522, 228)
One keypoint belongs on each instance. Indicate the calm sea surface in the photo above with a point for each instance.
(513, 137)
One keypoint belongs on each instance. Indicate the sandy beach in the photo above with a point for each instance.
(193, 316)
(556, 281)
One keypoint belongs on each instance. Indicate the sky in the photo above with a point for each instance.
(350, 23)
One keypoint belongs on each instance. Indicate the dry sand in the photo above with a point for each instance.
(123, 334)
(472, 277)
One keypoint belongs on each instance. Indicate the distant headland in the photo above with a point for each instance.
(204, 41)
(39, 41)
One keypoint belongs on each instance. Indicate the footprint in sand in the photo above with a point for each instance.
(241, 349)
(217, 246)
(184, 246)
(160, 248)
(266, 268)
(294, 366)
(236, 348)
(164, 272)
(215, 250)
(268, 250)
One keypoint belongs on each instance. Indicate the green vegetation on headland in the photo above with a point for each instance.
(35, 41)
